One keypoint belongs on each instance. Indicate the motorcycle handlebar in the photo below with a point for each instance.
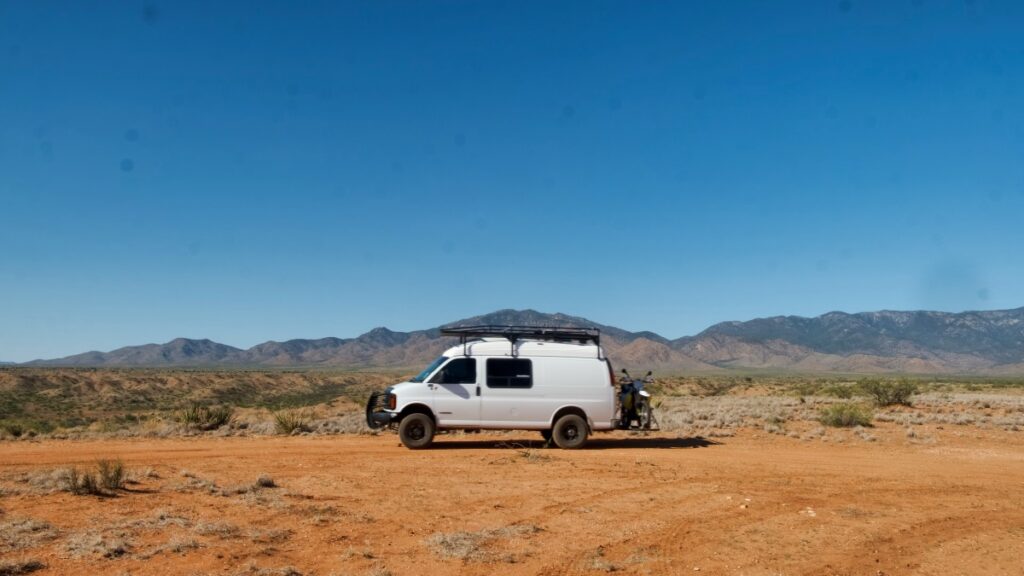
(626, 378)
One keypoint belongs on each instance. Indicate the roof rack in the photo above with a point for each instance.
(515, 333)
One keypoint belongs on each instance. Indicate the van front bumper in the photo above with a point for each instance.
(377, 413)
(380, 419)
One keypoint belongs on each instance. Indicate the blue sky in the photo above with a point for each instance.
(254, 171)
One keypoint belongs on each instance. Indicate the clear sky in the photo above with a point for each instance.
(271, 170)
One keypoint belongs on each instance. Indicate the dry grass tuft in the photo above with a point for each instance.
(181, 545)
(96, 544)
(598, 562)
(223, 530)
(18, 534)
(160, 520)
(20, 567)
(525, 452)
(254, 570)
(44, 481)
(461, 545)
(364, 553)
(471, 546)
(270, 535)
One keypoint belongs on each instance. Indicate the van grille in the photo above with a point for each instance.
(378, 402)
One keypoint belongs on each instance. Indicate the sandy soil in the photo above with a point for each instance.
(750, 504)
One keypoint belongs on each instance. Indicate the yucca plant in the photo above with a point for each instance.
(290, 421)
(205, 418)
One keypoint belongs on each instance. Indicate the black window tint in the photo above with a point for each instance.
(458, 371)
(511, 373)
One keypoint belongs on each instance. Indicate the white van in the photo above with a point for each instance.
(554, 380)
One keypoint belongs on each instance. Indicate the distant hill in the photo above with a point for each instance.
(928, 342)
(990, 342)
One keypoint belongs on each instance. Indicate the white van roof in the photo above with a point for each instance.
(526, 348)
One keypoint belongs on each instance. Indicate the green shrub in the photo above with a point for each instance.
(290, 421)
(14, 429)
(205, 418)
(889, 393)
(110, 474)
(846, 415)
(81, 483)
(807, 387)
(713, 386)
(71, 479)
(838, 391)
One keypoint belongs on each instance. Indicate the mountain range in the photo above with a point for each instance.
(987, 342)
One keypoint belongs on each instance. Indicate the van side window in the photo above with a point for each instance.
(509, 373)
(458, 371)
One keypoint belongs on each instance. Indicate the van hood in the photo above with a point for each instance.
(397, 388)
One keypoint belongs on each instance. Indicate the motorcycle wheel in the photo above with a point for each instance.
(645, 416)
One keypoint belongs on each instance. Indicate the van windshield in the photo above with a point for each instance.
(429, 370)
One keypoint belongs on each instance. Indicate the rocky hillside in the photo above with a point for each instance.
(922, 342)
(867, 342)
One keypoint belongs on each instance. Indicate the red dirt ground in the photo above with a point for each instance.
(749, 504)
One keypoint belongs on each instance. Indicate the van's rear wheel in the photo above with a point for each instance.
(570, 432)
(416, 431)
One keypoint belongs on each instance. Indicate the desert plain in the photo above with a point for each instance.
(743, 478)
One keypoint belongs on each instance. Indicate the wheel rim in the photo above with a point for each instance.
(571, 432)
(416, 431)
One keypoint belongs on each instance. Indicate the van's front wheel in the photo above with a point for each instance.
(416, 431)
(570, 432)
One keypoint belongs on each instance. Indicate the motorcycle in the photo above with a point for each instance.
(635, 403)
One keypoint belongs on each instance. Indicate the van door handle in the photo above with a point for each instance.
(477, 389)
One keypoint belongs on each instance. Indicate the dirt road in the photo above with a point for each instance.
(750, 504)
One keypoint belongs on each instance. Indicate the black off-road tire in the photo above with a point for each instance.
(570, 432)
(416, 431)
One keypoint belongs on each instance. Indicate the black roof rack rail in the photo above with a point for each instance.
(514, 333)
